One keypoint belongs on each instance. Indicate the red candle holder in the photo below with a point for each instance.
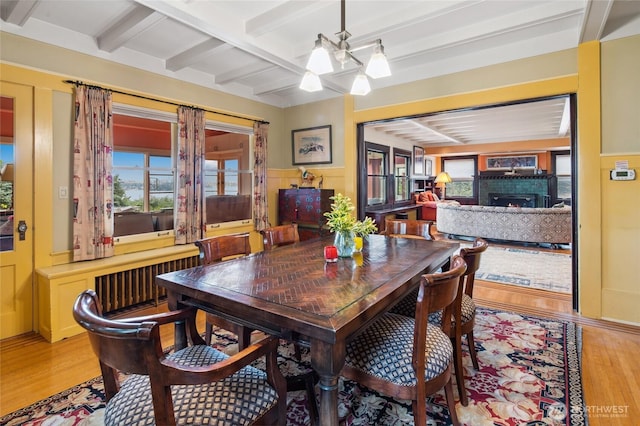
(330, 253)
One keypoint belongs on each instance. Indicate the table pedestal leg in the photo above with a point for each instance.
(327, 360)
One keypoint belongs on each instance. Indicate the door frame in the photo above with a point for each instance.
(16, 266)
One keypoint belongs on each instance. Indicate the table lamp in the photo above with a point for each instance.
(444, 179)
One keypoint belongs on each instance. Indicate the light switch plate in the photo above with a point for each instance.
(63, 192)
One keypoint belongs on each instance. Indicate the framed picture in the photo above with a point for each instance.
(418, 161)
(512, 162)
(312, 145)
(428, 166)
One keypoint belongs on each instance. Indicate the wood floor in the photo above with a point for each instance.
(32, 369)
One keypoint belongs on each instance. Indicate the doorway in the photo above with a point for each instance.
(451, 134)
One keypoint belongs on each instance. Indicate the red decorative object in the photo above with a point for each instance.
(331, 253)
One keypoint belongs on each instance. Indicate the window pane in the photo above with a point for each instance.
(464, 168)
(462, 172)
(563, 165)
(160, 183)
(460, 188)
(376, 190)
(228, 178)
(376, 177)
(564, 187)
(128, 181)
(210, 177)
(401, 165)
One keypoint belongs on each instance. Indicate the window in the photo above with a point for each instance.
(401, 164)
(462, 171)
(377, 165)
(143, 171)
(228, 176)
(561, 163)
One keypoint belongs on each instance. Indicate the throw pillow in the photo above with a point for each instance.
(423, 197)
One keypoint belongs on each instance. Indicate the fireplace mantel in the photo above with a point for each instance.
(516, 176)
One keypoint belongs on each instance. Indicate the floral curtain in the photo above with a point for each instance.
(190, 222)
(260, 207)
(92, 174)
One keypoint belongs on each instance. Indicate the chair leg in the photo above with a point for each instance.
(297, 352)
(311, 400)
(208, 332)
(457, 356)
(472, 350)
(419, 412)
(306, 381)
(451, 403)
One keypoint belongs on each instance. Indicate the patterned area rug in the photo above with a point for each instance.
(526, 268)
(530, 374)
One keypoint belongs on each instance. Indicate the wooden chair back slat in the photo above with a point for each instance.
(408, 227)
(214, 249)
(280, 235)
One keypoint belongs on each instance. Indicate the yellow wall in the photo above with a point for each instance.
(608, 232)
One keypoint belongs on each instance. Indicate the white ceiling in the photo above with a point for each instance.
(535, 120)
(258, 49)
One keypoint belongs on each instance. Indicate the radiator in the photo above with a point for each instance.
(125, 289)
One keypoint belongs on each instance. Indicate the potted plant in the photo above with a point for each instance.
(341, 221)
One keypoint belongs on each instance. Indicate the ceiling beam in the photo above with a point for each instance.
(194, 55)
(136, 22)
(17, 12)
(281, 15)
(594, 20)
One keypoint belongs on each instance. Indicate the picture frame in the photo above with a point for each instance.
(512, 162)
(428, 166)
(418, 161)
(312, 145)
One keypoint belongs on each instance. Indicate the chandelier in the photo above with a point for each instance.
(320, 61)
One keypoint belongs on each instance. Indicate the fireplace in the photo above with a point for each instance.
(512, 200)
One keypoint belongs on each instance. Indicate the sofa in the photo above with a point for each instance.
(525, 224)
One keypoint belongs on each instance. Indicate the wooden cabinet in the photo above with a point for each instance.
(306, 207)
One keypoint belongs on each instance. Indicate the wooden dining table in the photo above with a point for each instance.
(293, 293)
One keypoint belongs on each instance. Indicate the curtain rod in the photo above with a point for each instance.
(80, 83)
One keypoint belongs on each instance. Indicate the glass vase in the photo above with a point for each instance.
(343, 240)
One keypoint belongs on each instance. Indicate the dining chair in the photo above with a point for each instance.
(187, 386)
(280, 235)
(408, 228)
(410, 358)
(464, 314)
(471, 256)
(215, 249)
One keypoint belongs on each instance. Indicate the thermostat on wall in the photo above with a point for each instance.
(623, 174)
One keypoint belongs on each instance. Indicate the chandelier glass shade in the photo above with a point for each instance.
(320, 61)
(311, 82)
(360, 85)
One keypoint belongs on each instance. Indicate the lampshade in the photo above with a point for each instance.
(443, 177)
(378, 65)
(319, 61)
(6, 174)
(311, 82)
(360, 85)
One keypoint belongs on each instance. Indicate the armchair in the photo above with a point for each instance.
(428, 202)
